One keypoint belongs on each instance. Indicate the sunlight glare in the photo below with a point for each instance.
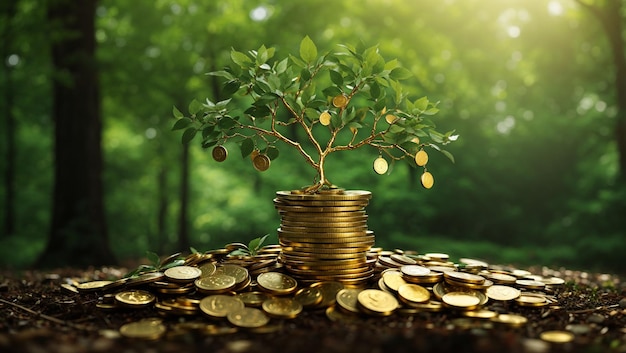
(513, 31)
(259, 13)
(555, 8)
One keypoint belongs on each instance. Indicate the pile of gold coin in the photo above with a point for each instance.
(216, 293)
(324, 236)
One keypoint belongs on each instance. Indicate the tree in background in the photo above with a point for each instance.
(610, 15)
(78, 232)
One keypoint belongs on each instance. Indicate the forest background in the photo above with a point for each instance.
(531, 87)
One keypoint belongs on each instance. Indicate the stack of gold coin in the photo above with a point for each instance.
(324, 236)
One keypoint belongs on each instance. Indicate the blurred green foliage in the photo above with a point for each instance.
(526, 84)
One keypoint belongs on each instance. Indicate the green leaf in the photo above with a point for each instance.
(177, 113)
(400, 73)
(153, 258)
(240, 58)
(226, 123)
(181, 124)
(177, 262)
(272, 153)
(194, 107)
(247, 146)
(308, 50)
(231, 87)
(336, 77)
(189, 134)
(421, 104)
(255, 244)
(448, 154)
(193, 250)
(282, 66)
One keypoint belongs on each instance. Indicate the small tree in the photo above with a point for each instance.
(341, 101)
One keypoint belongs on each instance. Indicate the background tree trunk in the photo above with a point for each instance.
(7, 14)
(183, 222)
(610, 17)
(78, 232)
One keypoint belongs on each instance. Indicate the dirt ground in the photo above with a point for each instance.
(38, 315)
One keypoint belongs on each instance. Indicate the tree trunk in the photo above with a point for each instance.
(610, 16)
(78, 232)
(8, 12)
(183, 229)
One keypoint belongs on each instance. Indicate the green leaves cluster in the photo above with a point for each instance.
(266, 95)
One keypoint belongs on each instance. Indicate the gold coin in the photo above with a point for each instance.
(390, 119)
(261, 162)
(510, 319)
(254, 299)
(135, 298)
(530, 284)
(503, 293)
(552, 281)
(347, 299)
(325, 118)
(93, 286)
(377, 302)
(532, 300)
(480, 314)
(182, 273)
(277, 283)
(427, 180)
(393, 280)
(248, 317)
(338, 196)
(461, 300)
(421, 158)
(329, 291)
(414, 270)
(413, 293)
(380, 165)
(340, 316)
(557, 336)
(207, 269)
(69, 288)
(340, 101)
(309, 297)
(148, 329)
(430, 306)
(219, 153)
(240, 273)
(215, 284)
(501, 278)
(464, 277)
(220, 305)
(283, 308)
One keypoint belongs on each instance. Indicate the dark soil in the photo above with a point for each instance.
(37, 315)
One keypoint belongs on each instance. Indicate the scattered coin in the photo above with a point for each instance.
(220, 305)
(461, 300)
(557, 336)
(503, 293)
(377, 302)
(148, 329)
(282, 307)
(135, 298)
(277, 283)
(182, 273)
(248, 317)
